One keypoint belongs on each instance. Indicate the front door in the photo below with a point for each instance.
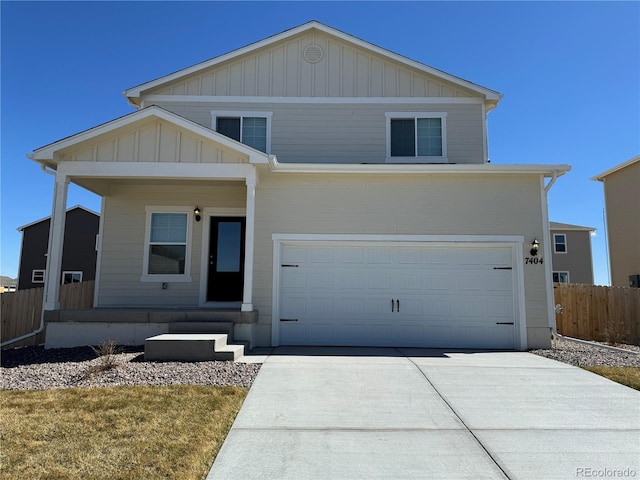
(226, 259)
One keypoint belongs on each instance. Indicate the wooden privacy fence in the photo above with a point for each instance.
(21, 310)
(603, 314)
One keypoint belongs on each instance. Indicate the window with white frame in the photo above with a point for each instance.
(561, 277)
(251, 128)
(167, 249)
(37, 276)
(416, 137)
(71, 277)
(560, 243)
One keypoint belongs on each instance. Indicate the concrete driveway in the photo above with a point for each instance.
(366, 413)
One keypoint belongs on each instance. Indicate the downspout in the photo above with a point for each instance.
(43, 167)
(547, 253)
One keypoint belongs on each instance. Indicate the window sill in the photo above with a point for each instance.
(416, 160)
(166, 278)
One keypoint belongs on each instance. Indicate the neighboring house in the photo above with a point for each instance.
(622, 207)
(79, 256)
(333, 192)
(571, 253)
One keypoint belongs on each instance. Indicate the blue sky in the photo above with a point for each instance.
(569, 72)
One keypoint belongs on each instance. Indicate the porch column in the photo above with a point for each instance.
(247, 295)
(51, 299)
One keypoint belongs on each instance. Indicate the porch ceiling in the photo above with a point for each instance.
(103, 186)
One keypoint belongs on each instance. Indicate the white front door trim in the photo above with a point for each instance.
(515, 242)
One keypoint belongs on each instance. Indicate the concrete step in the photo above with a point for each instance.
(191, 347)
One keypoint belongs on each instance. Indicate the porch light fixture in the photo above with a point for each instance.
(534, 247)
(196, 214)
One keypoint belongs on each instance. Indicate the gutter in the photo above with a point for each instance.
(40, 328)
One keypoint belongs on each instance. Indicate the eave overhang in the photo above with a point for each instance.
(48, 154)
(426, 169)
(601, 177)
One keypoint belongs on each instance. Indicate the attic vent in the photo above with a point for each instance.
(313, 53)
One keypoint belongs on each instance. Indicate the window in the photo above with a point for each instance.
(416, 137)
(561, 277)
(560, 243)
(251, 128)
(71, 277)
(37, 276)
(167, 254)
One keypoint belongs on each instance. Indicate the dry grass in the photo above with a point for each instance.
(115, 433)
(629, 376)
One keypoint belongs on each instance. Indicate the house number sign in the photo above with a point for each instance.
(533, 261)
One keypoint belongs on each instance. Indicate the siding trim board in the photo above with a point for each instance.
(151, 99)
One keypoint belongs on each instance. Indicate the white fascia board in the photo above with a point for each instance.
(544, 170)
(568, 227)
(48, 151)
(314, 100)
(601, 176)
(158, 170)
(49, 217)
(135, 92)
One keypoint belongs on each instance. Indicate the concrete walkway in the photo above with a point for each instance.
(346, 414)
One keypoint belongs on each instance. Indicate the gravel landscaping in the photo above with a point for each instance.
(34, 368)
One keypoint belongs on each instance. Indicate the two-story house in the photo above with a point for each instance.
(571, 255)
(332, 191)
(79, 250)
(622, 207)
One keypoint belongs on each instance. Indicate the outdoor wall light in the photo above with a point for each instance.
(534, 248)
(196, 214)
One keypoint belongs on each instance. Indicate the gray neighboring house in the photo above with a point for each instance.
(622, 204)
(571, 253)
(79, 251)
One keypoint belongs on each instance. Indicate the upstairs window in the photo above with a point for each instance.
(416, 137)
(251, 128)
(560, 243)
(71, 277)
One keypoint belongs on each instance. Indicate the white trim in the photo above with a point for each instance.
(416, 115)
(515, 242)
(207, 213)
(33, 275)
(96, 291)
(427, 169)
(49, 152)
(182, 278)
(546, 252)
(242, 114)
(555, 245)
(187, 171)
(485, 134)
(51, 298)
(137, 91)
(71, 272)
(149, 99)
(559, 272)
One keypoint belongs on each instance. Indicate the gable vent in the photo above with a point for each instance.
(313, 53)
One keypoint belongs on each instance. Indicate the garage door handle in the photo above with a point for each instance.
(288, 319)
(392, 305)
(398, 305)
(504, 323)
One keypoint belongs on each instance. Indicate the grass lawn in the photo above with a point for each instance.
(629, 376)
(115, 433)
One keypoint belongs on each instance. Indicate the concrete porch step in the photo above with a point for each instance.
(191, 347)
(202, 327)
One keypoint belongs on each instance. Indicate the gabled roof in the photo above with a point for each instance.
(133, 94)
(568, 226)
(75, 207)
(628, 163)
(46, 154)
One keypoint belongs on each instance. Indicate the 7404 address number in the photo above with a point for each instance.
(533, 261)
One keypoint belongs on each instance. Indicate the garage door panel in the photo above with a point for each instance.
(449, 296)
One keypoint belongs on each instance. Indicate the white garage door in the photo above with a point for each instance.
(445, 295)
